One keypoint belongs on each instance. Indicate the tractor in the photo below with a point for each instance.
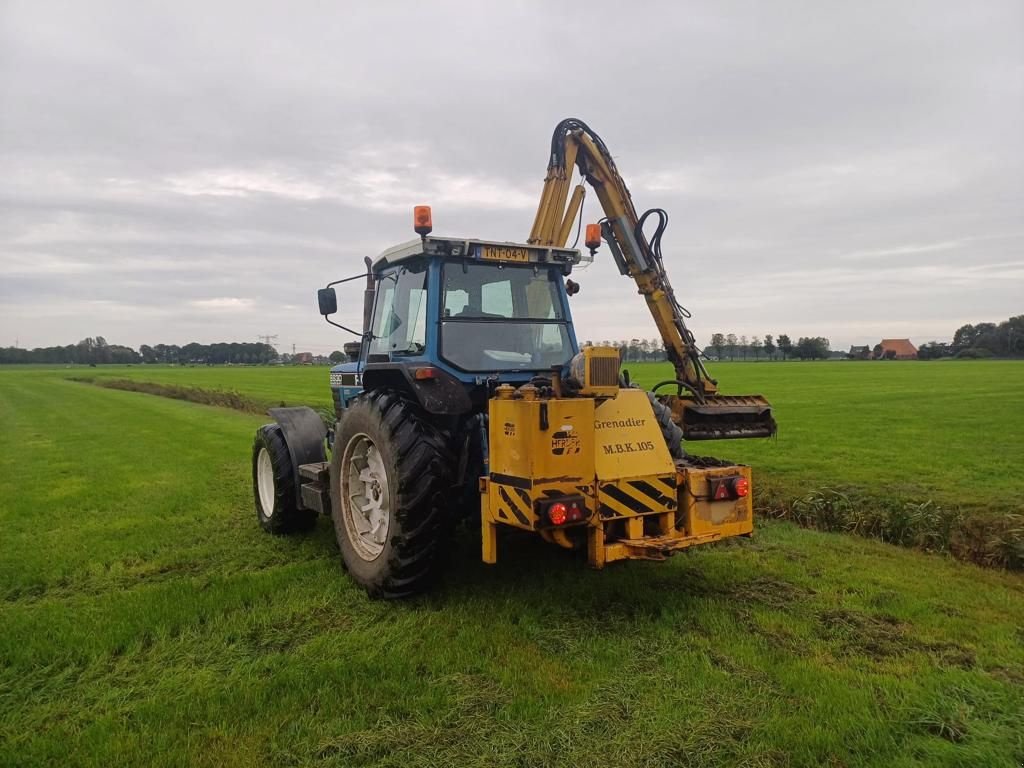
(468, 399)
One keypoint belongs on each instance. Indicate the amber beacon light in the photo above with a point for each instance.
(421, 220)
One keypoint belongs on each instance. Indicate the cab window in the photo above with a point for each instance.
(497, 317)
(400, 315)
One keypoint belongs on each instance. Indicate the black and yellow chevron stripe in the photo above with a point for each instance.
(627, 498)
(514, 505)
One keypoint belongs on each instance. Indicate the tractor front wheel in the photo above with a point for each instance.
(273, 484)
(390, 479)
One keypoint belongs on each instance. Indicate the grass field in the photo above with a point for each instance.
(952, 432)
(146, 619)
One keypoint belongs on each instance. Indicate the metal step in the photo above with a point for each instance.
(319, 472)
(316, 496)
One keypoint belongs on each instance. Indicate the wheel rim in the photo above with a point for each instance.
(265, 482)
(365, 497)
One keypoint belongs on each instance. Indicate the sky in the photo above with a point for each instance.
(194, 171)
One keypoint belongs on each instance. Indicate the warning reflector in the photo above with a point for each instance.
(722, 492)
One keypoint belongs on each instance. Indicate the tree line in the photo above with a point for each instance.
(1005, 339)
(726, 346)
(96, 351)
(729, 346)
(635, 350)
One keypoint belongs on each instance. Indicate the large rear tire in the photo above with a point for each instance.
(273, 484)
(391, 476)
(671, 431)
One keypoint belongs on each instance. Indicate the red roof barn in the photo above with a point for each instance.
(902, 348)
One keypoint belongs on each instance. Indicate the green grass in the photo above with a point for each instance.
(887, 450)
(952, 432)
(145, 618)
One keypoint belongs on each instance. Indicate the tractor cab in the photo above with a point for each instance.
(459, 314)
(473, 307)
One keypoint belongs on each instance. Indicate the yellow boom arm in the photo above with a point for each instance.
(703, 413)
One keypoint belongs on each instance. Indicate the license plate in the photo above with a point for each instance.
(504, 253)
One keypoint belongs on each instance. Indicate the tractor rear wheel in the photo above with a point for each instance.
(391, 473)
(671, 431)
(273, 484)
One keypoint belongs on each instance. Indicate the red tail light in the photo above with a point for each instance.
(558, 513)
(741, 486)
(562, 510)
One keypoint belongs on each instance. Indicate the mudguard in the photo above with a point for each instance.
(442, 394)
(304, 434)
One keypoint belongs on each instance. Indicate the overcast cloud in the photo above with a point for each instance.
(195, 171)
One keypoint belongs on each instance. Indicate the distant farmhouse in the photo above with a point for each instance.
(887, 349)
(895, 349)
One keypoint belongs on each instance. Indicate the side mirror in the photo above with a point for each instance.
(328, 301)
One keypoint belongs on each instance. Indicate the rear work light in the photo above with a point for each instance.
(729, 488)
(562, 511)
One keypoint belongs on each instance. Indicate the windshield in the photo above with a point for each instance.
(499, 318)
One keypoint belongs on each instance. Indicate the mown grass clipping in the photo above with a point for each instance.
(216, 397)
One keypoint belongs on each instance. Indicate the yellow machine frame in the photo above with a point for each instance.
(610, 454)
(602, 449)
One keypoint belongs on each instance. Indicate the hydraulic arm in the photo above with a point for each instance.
(700, 410)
